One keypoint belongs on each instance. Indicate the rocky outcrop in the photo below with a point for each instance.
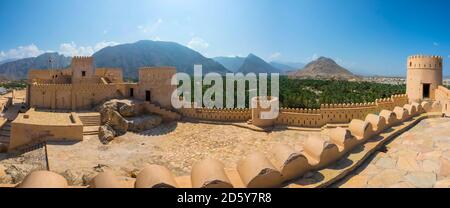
(118, 122)
(120, 116)
(127, 110)
(106, 134)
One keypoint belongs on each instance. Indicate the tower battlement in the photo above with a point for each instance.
(424, 75)
(82, 60)
(425, 62)
(420, 56)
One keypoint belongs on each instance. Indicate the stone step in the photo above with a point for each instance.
(90, 133)
(91, 123)
(90, 130)
(4, 140)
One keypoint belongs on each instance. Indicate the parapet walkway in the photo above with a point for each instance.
(320, 164)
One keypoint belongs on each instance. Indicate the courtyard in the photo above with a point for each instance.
(176, 145)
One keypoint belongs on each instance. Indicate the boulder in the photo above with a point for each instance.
(118, 123)
(142, 123)
(127, 110)
(106, 134)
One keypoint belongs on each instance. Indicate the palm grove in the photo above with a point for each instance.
(309, 93)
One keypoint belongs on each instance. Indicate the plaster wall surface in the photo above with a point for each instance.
(423, 77)
(39, 126)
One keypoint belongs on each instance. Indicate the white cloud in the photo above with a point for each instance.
(104, 44)
(71, 49)
(151, 27)
(21, 52)
(274, 56)
(198, 44)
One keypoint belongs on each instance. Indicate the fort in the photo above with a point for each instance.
(81, 101)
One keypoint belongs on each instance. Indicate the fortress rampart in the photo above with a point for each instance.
(312, 118)
(256, 170)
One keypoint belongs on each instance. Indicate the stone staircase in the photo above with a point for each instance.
(167, 115)
(5, 133)
(91, 123)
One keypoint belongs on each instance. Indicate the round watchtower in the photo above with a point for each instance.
(423, 77)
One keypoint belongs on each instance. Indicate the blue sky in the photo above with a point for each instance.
(366, 36)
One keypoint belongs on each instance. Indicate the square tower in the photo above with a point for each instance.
(155, 85)
(82, 69)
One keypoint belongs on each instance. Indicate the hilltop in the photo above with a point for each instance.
(323, 68)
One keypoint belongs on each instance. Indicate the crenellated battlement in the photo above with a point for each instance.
(82, 58)
(424, 75)
(276, 168)
(424, 56)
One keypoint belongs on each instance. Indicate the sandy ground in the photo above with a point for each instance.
(176, 146)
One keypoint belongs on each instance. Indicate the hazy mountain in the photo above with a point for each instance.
(231, 63)
(143, 53)
(287, 66)
(18, 69)
(323, 68)
(7, 60)
(256, 65)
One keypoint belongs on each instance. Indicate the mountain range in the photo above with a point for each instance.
(130, 57)
(253, 63)
(18, 69)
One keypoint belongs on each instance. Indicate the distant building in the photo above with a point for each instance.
(82, 86)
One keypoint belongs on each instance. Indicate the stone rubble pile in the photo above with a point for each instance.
(120, 116)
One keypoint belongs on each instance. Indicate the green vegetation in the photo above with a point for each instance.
(297, 93)
(18, 85)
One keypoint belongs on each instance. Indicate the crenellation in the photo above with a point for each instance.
(365, 121)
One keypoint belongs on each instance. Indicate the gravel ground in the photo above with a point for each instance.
(175, 145)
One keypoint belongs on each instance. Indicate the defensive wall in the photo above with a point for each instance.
(65, 96)
(313, 118)
(442, 95)
(255, 170)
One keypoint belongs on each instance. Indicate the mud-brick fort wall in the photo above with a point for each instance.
(155, 85)
(112, 75)
(442, 95)
(423, 77)
(313, 118)
(70, 96)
